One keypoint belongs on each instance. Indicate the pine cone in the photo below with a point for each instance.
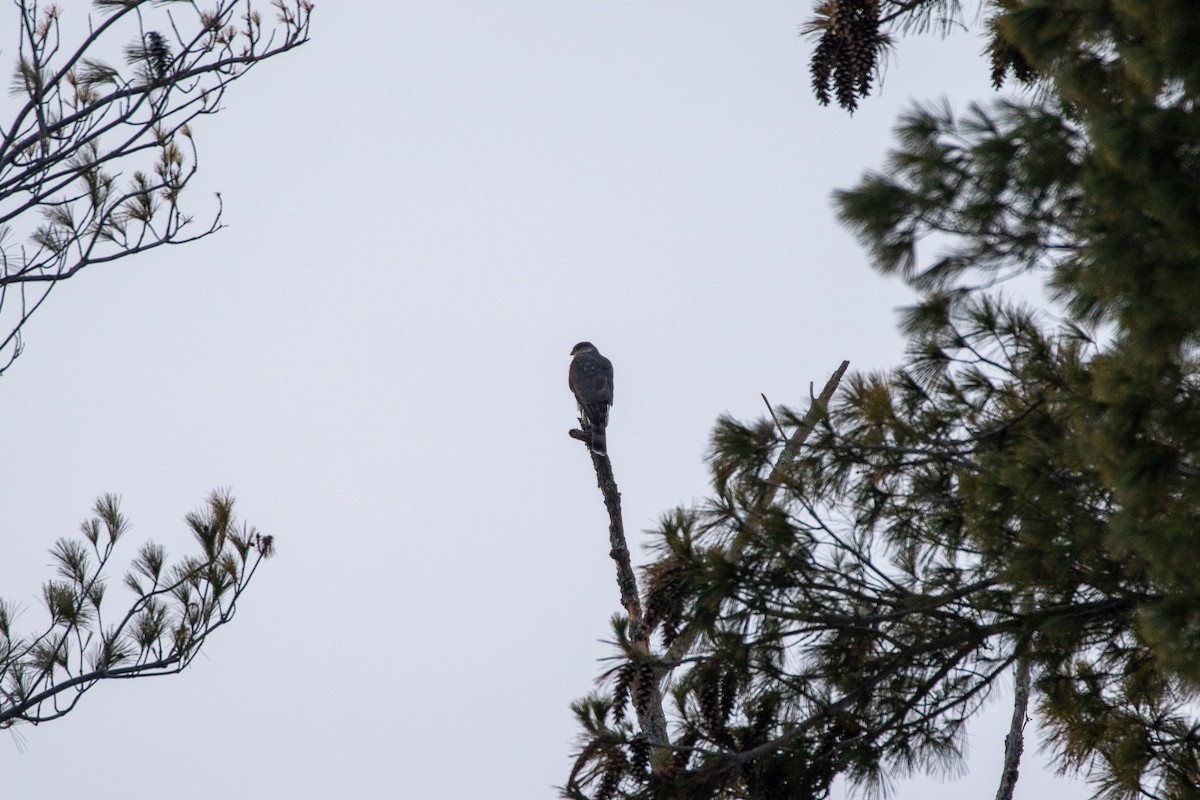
(643, 685)
(610, 778)
(625, 676)
(821, 68)
(639, 755)
(158, 54)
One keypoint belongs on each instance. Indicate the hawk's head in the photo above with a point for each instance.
(583, 347)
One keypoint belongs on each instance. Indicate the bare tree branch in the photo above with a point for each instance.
(647, 695)
(1014, 742)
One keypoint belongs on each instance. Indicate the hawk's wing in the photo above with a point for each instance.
(591, 379)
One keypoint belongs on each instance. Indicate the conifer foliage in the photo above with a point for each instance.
(1023, 493)
(96, 150)
(175, 607)
(97, 147)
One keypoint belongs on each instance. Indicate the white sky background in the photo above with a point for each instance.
(428, 205)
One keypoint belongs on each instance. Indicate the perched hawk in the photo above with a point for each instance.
(591, 380)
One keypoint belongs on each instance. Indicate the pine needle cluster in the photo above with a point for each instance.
(174, 610)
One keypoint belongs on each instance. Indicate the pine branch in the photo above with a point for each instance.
(680, 647)
(800, 436)
(83, 124)
(43, 677)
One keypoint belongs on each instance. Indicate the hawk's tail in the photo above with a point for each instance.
(599, 442)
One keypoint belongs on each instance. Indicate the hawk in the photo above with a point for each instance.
(591, 381)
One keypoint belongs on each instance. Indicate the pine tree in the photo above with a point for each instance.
(1023, 493)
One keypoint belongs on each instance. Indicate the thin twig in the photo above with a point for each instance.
(800, 436)
(771, 410)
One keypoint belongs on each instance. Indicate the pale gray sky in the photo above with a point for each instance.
(428, 205)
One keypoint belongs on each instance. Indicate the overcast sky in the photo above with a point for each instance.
(428, 205)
